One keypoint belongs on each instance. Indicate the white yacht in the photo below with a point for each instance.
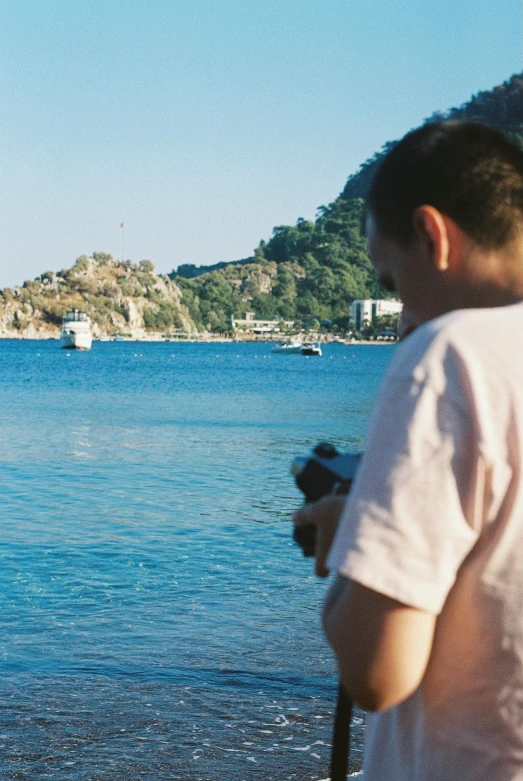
(76, 331)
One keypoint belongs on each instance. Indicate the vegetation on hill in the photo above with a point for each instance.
(316, 269)
(501, 107)
(120, 297)
(307, 272)
(312, 270)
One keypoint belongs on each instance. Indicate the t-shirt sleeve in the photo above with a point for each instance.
(410, 519)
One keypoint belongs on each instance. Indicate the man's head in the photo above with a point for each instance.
(445, 219)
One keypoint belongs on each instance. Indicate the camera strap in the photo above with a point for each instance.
(341, 737)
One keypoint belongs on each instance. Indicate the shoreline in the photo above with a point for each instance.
(207, 339)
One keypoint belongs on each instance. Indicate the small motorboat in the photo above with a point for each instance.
(297, 347)
(293, 347)
(311, 349)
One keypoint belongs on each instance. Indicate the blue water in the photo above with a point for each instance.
(157, 620)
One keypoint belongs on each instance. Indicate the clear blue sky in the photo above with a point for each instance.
(202, 124)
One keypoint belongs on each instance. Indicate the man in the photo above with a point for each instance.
(426, 614)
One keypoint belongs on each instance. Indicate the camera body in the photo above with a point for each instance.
(325, 471)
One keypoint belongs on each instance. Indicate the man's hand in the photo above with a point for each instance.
(324, 515)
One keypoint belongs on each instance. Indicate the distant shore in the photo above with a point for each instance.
(203, 338)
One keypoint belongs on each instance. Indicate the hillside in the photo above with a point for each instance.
(315, 269)
(309, 271)
(306, 272)
(120, 298)
(501, 107)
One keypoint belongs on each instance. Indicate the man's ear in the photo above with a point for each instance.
(431, 228)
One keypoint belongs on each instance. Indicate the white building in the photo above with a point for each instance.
(367, 310)
(249, 325)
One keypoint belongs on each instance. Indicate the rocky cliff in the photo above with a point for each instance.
(120, 298)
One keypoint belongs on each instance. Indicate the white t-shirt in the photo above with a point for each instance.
(435, 520)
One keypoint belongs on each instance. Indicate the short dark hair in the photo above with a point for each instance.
(468, 171)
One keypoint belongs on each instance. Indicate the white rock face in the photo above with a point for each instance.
(135, 319)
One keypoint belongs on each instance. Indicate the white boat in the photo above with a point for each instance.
(311, 349)
(297, 347)
(76, 331)
(293, 347)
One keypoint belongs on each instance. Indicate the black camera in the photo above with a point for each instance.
(325, 471)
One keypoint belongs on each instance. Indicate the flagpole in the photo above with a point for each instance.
(123, 241)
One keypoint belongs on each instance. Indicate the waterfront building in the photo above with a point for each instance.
(365, 311)
(248, 324)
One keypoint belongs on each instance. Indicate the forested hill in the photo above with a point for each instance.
(313, 270)
(310, 271)
(306, 272)
(501, 107)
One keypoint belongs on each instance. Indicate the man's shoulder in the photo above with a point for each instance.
(457, 338)
(471, 323)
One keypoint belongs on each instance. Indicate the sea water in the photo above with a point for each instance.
(157, 620)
